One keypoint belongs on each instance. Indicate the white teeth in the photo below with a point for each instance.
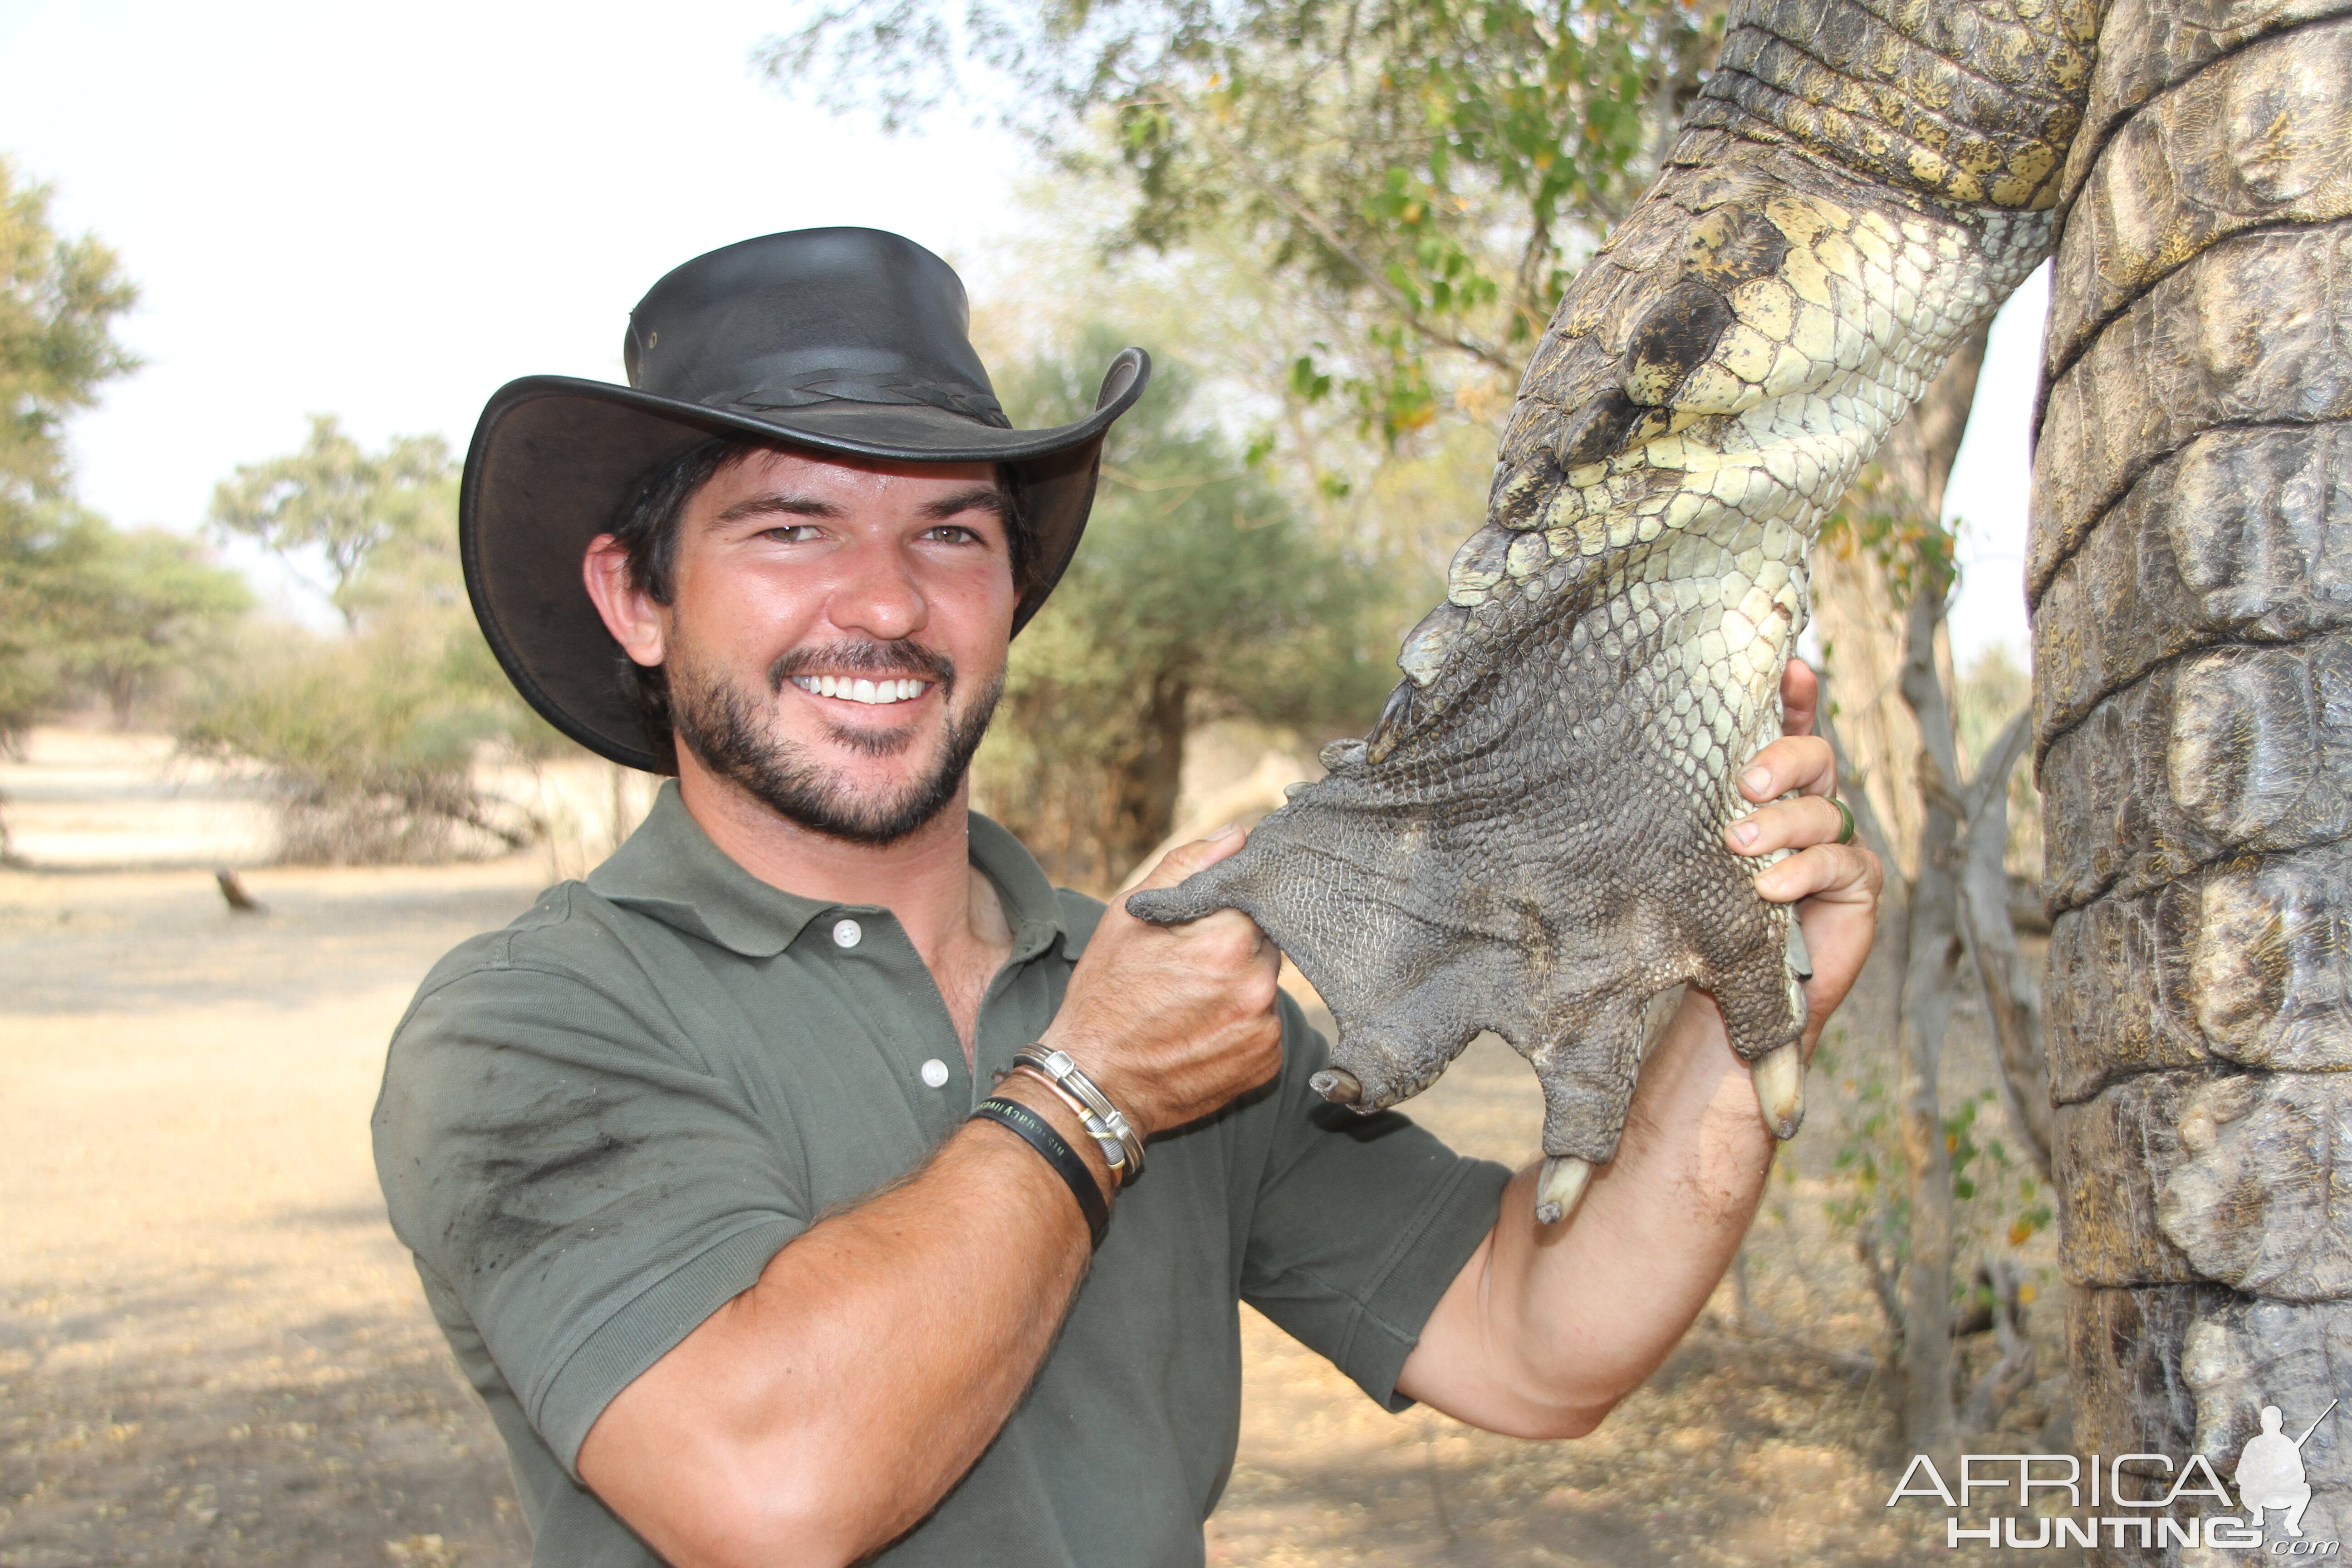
(875, 693)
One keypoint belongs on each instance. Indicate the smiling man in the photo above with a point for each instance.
(782, 1187)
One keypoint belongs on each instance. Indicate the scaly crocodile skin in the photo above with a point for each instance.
(2191, 574)
(1530, 840)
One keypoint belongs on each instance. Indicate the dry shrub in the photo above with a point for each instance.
(373, 740)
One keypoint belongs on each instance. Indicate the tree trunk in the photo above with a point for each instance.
(1144, 789)
(2192, 535)
(2013, 1001)
(1858, 612)
(1931, 972)
(1896, 717)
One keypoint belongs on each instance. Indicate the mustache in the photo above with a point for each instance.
(864, 655)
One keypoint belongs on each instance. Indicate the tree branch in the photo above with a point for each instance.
(1866, 825)
(2011, 1001)
(1882, 1283)
(1299, 211)
(2007, 1377)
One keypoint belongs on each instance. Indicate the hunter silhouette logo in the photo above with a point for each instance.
(2130, 1499)
(2270, 1472)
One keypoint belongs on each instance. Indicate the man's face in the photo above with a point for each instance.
(836, 638)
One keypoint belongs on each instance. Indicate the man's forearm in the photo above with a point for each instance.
(827, 1408)
(1549, 1326)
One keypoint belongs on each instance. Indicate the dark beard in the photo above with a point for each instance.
(719, 723)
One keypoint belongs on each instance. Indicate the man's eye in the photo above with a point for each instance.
(792, 533)
(952, 533)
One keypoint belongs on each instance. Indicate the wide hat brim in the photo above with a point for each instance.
(554, 458)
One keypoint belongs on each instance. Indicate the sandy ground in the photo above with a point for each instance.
(212, 1351)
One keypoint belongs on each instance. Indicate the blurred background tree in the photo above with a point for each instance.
(84, 611)
(1427, 175)
(58, 300)
(373, 737)
(1199, 595)
(132, 619)
(338, 505)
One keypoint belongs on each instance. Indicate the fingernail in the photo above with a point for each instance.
(1757, 780)
(1745, 830)
(1222, 832)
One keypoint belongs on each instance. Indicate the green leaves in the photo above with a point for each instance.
(1429, 169)
(58, 299)
(372, 735)
(86, 610)
(342, 502)
(81, 607)
(1307, 383)
(1197, 595)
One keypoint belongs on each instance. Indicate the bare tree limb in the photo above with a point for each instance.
(1882, 1281)
(1931, 969)
(2011, 1001)
(1866, 825)
(2008, 1376)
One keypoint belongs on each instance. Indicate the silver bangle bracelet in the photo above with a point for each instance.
(1114, 1152)
(1066, 1074)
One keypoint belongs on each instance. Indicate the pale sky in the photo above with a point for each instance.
(386, 213)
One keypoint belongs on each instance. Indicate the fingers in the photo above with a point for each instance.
(1836, 873)
(1803, 763)
(1229, 939)
(1186, 858)
(1800, 697)
(1797, 824)
(1839, 923)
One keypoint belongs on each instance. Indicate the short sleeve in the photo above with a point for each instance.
(557, 1157)
(1360, 1224)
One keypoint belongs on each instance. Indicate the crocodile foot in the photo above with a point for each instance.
(1540, 861)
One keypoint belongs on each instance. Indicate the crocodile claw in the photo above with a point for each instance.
(1338, 1087)
(1560, 1188)
(1780, 1081)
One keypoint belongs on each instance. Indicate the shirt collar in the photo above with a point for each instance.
(670, 869)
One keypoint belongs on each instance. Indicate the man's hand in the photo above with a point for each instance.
(823, 1410)
(1174, 1021)
(1834, 886)
(1546, 1328)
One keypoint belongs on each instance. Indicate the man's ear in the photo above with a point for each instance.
(630, 613)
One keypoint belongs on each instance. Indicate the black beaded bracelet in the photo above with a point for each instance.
(1039, 1134)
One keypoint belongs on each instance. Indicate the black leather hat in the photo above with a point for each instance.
(837, 339)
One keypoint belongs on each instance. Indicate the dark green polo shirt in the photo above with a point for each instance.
(600, 1123)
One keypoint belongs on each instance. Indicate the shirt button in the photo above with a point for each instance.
(846, 933)
(935, 1073)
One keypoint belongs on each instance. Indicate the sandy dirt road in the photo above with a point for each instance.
(212, 1351)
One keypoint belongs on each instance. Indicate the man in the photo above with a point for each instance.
(688, 1154)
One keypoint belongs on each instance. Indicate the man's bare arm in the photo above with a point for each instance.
(824, 1411)
(1547, 1327)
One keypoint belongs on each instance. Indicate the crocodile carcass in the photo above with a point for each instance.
(1530, 839)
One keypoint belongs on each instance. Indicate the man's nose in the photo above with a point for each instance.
(876, 593)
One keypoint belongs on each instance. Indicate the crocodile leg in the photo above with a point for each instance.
(1530, 839)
